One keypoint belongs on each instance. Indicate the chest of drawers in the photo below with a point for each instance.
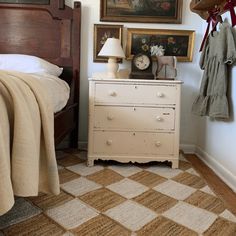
(134, 120)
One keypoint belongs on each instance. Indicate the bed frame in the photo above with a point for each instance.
(50, 31)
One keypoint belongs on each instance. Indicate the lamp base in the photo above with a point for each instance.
(112, 68)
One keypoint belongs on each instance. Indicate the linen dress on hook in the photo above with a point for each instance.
(219, 51)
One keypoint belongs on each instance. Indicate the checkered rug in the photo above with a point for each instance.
(122, 199)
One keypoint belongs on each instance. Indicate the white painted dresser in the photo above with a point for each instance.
(134, 120)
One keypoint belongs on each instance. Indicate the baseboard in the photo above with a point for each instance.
(188, 148)
(219, 170)
(83, 145)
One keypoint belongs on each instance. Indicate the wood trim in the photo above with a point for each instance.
(203, 6)
(61, 4)
(223, 191)
(208, 4)
(56, 8)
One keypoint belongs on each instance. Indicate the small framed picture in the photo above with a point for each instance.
(178, 43)
(101, 33)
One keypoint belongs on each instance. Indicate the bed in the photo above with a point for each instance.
(48, 30)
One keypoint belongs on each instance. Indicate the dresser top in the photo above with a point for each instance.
(151, 81)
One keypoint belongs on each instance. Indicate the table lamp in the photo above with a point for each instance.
(113, 50)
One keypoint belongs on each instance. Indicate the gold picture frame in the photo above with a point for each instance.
(155, 11)
(101, 33)
(40, 2)
(179, 43)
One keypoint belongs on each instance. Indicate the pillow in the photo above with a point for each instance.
(28, 64)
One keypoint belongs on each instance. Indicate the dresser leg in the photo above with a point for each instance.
(90, 162)
(175, 164)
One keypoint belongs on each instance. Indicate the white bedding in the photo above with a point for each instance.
(57, 89)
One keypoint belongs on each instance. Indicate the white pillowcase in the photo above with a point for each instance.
(28, 64)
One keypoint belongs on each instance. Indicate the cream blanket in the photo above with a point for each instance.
(27, 153)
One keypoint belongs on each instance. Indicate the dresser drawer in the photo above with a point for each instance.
(133, 143)
(134, 118)
(135, 94)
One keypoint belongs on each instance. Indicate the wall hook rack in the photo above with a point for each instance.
(201, 7)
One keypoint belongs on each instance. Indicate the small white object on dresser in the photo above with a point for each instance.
(134, 120)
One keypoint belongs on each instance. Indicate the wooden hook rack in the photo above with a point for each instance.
(201, 7)
(206, 5)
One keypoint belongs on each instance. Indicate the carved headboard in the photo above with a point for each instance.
(41, 30)
(50, 31)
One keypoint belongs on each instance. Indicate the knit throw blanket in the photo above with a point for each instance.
(27, 153)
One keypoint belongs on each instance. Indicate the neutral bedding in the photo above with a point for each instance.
(47, 73)
(57, 89)
(27, 152)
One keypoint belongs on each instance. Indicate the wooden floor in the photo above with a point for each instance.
(217, 185)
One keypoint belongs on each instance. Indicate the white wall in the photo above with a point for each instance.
(187, 72)
(216, 139)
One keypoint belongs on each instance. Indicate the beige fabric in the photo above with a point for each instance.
(27, 153)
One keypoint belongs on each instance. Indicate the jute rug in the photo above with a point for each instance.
(122, 199)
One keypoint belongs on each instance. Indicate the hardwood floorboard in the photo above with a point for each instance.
(217, 185)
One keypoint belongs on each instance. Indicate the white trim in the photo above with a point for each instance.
(188, 148)
(218, 168)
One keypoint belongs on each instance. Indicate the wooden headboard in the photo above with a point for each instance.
(50, 31)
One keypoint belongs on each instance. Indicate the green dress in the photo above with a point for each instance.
(219, 51)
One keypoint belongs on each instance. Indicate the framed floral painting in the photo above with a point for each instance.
(101, 33)
(146, 11)
(165, 42)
